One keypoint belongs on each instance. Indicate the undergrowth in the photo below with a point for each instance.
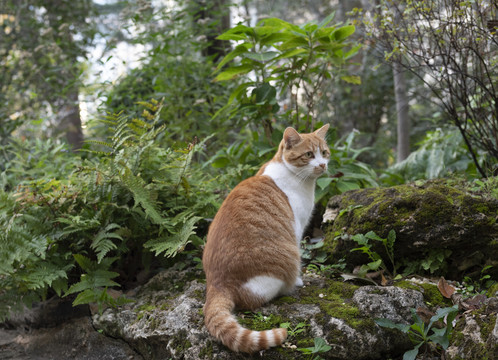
(124, 205)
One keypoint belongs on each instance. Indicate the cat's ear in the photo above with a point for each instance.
(322, 131)
(291, 138)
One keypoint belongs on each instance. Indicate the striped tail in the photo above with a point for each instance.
(223, 325)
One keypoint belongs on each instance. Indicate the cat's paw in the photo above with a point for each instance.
(299, 282)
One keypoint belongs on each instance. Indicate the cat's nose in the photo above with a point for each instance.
(323, 166)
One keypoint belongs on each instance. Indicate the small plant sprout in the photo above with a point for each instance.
(376, 262)
(420, 333)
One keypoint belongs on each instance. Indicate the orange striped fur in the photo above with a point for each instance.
(252, 248)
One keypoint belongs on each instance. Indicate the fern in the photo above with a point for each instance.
(43, 274)
(102, 242)
(80, 218)
(142, 196)
(96, 277)
(176, 242)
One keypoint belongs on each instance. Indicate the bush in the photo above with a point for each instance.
(441, 153)
(83, 228)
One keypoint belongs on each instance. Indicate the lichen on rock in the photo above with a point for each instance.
(168, 323)
(431, 219)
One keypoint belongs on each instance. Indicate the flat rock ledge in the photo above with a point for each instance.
(165, 321)
(162, 325)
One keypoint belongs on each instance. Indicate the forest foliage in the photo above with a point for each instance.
(174, 135)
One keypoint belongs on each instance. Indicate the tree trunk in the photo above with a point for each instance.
(214, 12)
(70, 121)
(403, 125)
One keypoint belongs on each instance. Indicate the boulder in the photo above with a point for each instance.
(453, 229)
(75, 339)
(166, 321)
(475, 335)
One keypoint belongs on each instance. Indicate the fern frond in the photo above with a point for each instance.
(93, 280)
(43, 274)
(99, 142)
(172, 244)
(102, 242)
(142, 196)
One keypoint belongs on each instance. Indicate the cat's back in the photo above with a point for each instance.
(256, 205)
(253, 224)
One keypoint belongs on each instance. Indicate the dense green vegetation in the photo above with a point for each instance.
(172, 136)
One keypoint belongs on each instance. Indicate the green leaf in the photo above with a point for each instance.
(391, 325)
(265, 93)
(220, 162)
(344, 186)
(275, 38)
(326, 21)
(240, 90)
(233, 72)
(142, 196)
(374, 265)
(352, 79)
(239, 50)
(291, 53)
(343, 32)
(93, 280)
(352, 52)
(412, 354)
(171, 245)
(102, 242)
(324, 182)
(260, 57)
(85, 263)
(442, 312)
(373, 236)
(321, 346)
(238, 32)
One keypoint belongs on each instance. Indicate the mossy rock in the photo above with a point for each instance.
(166, 320)
(475, 337)
(439, 220)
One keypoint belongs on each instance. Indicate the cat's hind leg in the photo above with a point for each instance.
(263, 288)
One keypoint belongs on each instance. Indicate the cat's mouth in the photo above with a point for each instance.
(320, 169)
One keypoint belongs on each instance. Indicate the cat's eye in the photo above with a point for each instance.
(309, 155)
(325, 153)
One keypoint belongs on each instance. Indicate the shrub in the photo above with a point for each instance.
(84, 229)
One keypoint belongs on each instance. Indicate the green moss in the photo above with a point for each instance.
(304, 343)
(432, 295)
(432, 208)
(477, 351)
(492, 290)
(180, 343)
(405, 284)
(285, 300)
(207, 351)
(334, 300)
(260, 322)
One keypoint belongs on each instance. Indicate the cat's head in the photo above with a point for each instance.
(307, 155)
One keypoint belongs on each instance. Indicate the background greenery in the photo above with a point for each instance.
(101, 200)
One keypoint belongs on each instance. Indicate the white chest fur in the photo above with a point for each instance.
(301, 194)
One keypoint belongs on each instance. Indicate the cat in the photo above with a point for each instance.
(252, 250)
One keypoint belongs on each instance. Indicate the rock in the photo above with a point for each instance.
(475, 337)
(75, 339)
(456, 230)
(166, 321)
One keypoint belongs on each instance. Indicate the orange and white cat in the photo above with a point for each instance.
(252, 249)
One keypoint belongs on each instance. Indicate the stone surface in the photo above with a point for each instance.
(74, 339)
(165, 321)
(430, 220)
(475, 337)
